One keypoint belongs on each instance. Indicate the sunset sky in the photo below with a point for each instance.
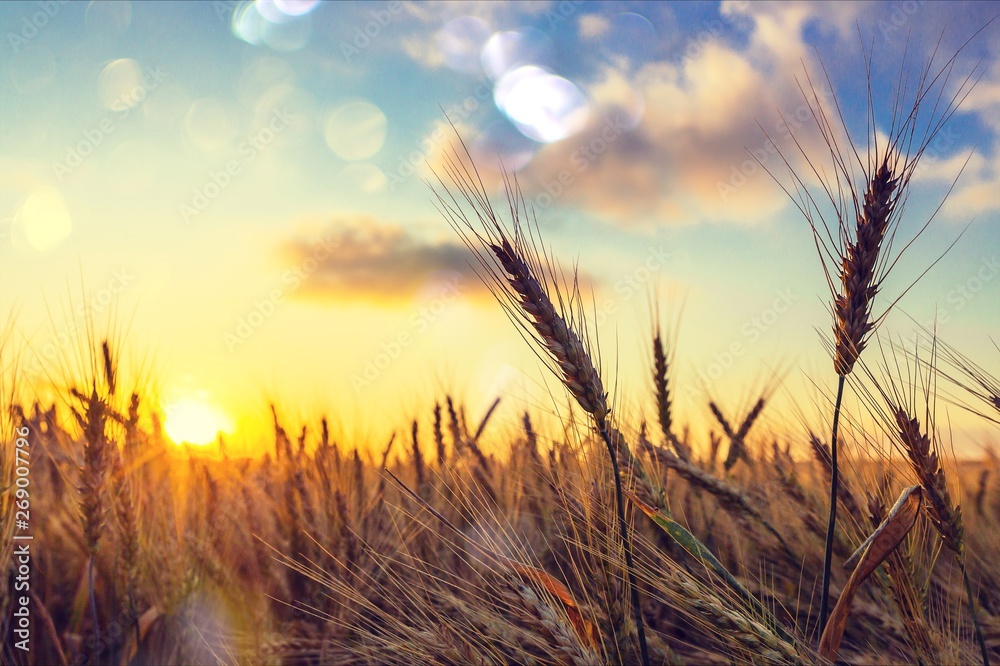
(244, 188)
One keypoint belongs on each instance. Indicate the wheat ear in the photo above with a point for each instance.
(946, 517)
(867, 211)
(516, 274)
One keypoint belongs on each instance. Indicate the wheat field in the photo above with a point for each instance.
(589, 533)
(434, 551)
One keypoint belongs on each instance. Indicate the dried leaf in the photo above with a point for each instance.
(585, 629)
(876, 549)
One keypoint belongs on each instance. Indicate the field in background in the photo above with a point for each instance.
(314, 554)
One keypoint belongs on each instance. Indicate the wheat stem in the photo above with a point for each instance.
(626, 544)
(972, 611)
(832, 525)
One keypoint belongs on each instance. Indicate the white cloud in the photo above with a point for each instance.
(593, 26)
(678, 142)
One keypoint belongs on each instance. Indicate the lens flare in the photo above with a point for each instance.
(544, 106)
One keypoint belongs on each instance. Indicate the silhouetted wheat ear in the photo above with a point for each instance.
(947, 518)
(439, 437)
(858, 270)
(578, 372)
(661, 380)
(96, 458)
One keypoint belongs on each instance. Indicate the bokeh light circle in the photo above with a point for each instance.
(120, 84)
(296, 7)
(44, 219)
(283, 26)
(508, 50)
(362, 177)
(355, 130)
(461, 42)
(248, 24)
(210, 125)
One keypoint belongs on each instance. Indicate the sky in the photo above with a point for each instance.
(242, 192)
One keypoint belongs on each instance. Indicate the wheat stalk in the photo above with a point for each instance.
(737, 443)
(867, 211)
(521, 282)
(97, 455)
(439, 438)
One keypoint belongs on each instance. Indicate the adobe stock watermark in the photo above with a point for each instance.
(220, 179)
(562, 12)
(711, 30)
(458, 112)
(740, 174)
(70, 334)
(627, 285)
(34, 23)
(363, 35)
(418, 324)
(291, 280)
(580, 159)
(122, 107)
(962, 294)
(901, 14)
(751, 331)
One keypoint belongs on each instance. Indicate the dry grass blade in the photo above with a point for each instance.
(907, 594)
(486, 419)
(870, 555)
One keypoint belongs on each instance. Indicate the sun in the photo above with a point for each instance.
(194, 420)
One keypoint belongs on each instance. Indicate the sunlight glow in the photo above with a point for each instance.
(45, 219)
(193, 420)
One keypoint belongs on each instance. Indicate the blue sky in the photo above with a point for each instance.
(245, 185)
